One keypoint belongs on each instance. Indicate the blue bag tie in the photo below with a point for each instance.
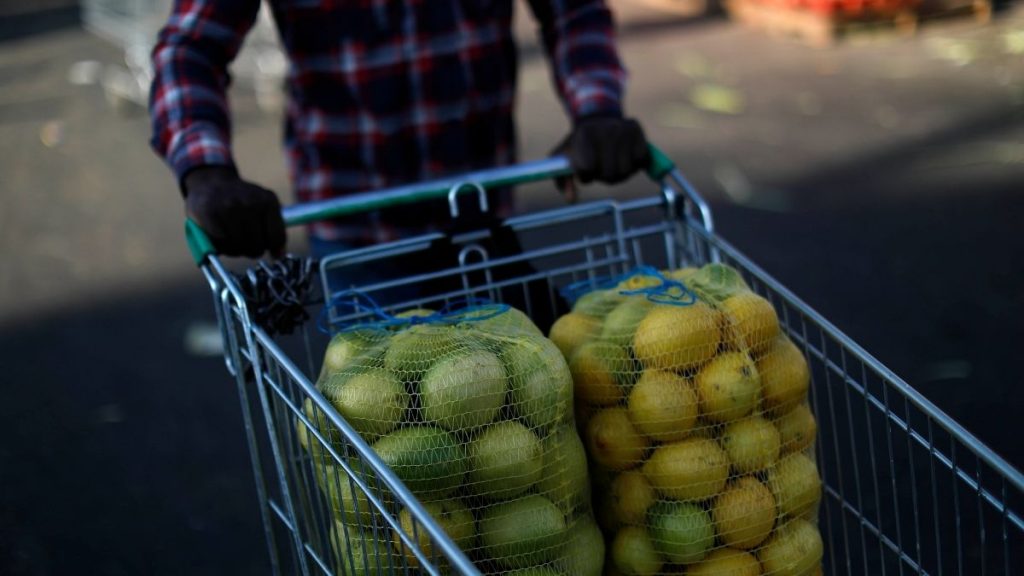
(469, 309)
(667, 291)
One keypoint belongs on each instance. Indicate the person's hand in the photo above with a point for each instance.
(605, 149)
(241, 219)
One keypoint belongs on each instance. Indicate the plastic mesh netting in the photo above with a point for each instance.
(472, 408)
(692, 404)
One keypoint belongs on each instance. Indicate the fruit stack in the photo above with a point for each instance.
(472, 409)
(693, 408)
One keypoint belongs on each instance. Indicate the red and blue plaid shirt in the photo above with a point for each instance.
(381, 92)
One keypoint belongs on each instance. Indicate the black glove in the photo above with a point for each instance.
(241, 219)
(606, 149)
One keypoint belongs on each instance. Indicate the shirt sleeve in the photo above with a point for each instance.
(579, 37)
(188, 100)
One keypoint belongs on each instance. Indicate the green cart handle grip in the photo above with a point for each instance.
(198, 242)
(538, 170)
(555, 167)
(660, 164)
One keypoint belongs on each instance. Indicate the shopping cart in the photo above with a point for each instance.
(907, 489)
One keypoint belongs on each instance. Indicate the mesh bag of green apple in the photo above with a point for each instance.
(692, 405)
(471, 407)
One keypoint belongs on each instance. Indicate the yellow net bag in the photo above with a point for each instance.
(692, 404)
(472, 409)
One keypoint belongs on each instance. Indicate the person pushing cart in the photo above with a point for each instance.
(379, 94)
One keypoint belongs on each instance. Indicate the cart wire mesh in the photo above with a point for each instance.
(907, 489)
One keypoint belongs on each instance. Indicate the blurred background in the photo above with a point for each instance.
(868, 155)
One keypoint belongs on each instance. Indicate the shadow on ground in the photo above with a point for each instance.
(122, 454)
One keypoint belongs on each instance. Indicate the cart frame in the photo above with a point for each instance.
(906, 488)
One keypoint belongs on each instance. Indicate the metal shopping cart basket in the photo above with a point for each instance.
(907, 489)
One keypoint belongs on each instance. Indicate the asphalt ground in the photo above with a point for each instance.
(879, 180)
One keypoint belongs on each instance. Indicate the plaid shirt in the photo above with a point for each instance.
(381, 92)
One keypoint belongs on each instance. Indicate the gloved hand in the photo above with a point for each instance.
(241, 219)
(606, 149)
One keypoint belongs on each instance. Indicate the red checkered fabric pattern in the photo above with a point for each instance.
(380, 92)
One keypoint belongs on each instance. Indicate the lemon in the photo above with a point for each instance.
(599, 370)
(451, 515)
(372, 402)
(430, 461)
(573, 329)
(631, 496)
(795, 549)
(726, 562)
(522, 533)
(785, 376)
(716, 282)
(752, 444)
(563, 479)
(348, 502)
(745, 513)
(663, 406)
(598, 303)
(505, 460)
(540, 381)
(677, 337)
(327, 430)
(464, 390)
(510, 322)
(796, 484)
(634, 554)
(728, 387)
(612, 441)
(751, 323)
(583, 554)
(692, 469)
(351, 350)
(682, 532)
(358, 553)
(797, 429)
(621, 323)
(414, 350)
(680, 274)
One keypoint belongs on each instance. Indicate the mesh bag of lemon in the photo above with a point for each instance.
(693, 409)
(471, 407)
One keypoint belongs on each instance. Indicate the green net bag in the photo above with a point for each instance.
(471, 407)
(692, 405)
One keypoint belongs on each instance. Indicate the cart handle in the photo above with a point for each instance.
(557, 166)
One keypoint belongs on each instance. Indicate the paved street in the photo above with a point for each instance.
(880, 180)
